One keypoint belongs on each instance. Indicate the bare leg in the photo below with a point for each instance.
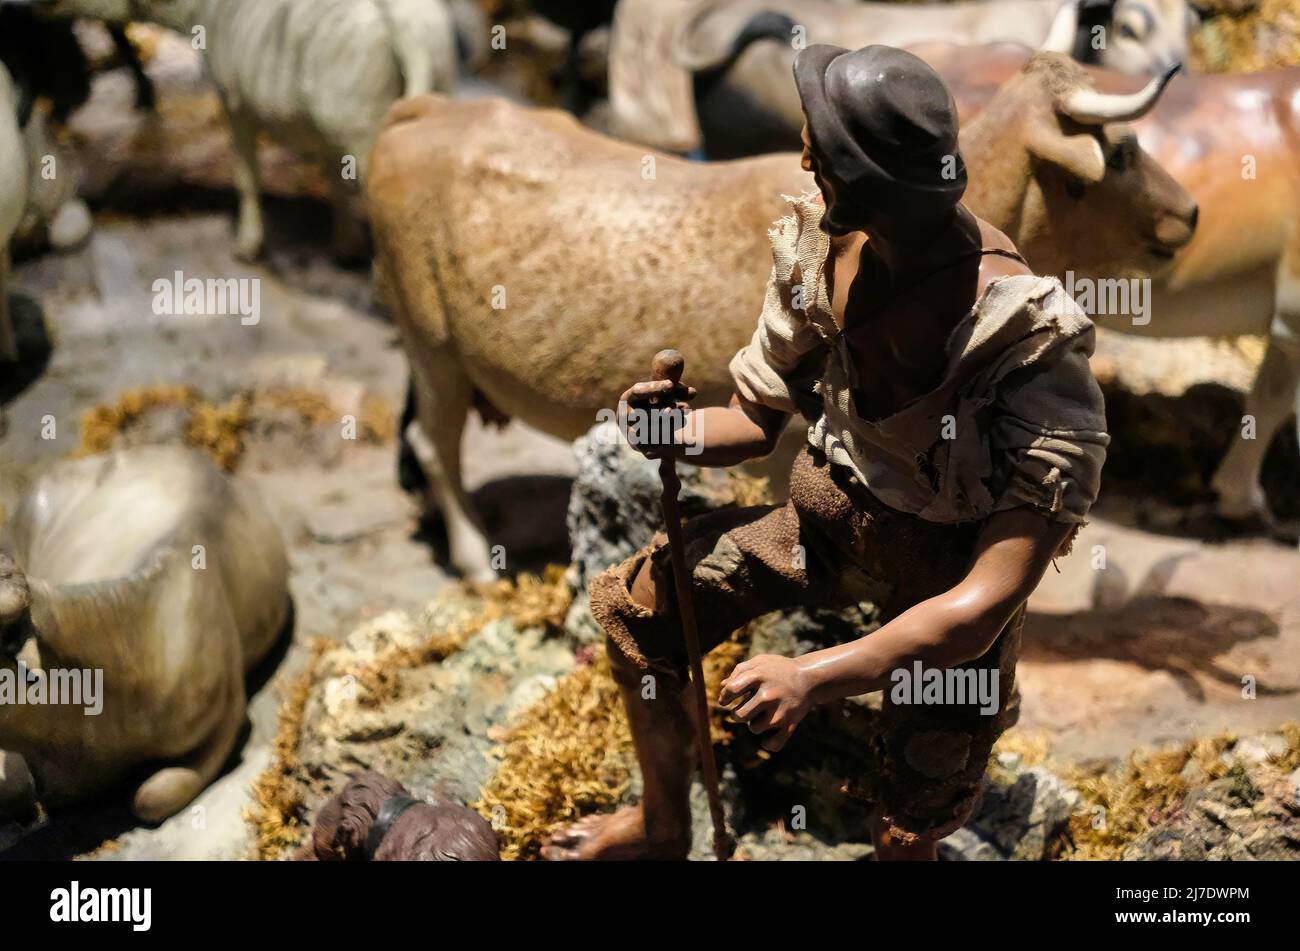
(145, 97)
(349, 237)
(443, 394)
(659, 827)
(249, 235)
(748, 573)
(663, 734)
(1269, 402)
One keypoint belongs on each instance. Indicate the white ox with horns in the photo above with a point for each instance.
(716, 73)
(1231, 140)
(601, 265)
(147, 584)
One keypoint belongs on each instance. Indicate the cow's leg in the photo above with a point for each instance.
(8, 339)
(349, 236)
(410, 474)
(145, 97)
(249, 233)
(443, 396)
(169, 790)
(1270, 401)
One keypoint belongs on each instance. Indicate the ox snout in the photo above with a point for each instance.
(1163, 65)
(1174, 230)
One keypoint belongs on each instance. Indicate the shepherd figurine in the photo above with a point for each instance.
(954, 447)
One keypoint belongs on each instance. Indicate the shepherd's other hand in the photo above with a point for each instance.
(771, 694)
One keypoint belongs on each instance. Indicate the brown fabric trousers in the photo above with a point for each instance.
(832, 545)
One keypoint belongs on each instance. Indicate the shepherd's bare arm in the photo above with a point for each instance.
(715, 436)
(1013, 550)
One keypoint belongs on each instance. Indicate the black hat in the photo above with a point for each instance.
(883, 127)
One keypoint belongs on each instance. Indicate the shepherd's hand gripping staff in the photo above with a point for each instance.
(668, 365)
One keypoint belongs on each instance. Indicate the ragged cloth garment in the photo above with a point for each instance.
(832, 544)
(1025, 415)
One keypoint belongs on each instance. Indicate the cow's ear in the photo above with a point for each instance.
(1079, 155)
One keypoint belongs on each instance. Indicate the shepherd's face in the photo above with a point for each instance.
(809, 162)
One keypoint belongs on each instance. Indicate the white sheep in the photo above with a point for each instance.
(317, 75)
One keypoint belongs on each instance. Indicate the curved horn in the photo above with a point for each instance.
(1065, 26)
(1090, 107)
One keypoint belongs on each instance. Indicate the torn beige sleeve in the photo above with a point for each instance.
(1050, 433)
(772, 370)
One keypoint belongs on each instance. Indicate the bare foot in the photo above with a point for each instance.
(612, 837)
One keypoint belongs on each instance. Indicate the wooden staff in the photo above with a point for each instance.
(668, 365)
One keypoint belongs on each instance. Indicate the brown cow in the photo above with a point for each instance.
(538, 265)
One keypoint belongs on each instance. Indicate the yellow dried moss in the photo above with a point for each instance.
(101, 425)
(1119, 804)
(567, 755)
(219, 429)
(749, 490)
(278, 809)
(1289, 762)
(1030, 749)
(278, 812)
(571, 753)
(528, 600)
(1244, 36)
(377, 422)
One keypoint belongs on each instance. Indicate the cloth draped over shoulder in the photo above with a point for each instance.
(1018, 419)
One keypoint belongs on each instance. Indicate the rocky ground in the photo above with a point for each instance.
(1155, 635)
(499, 697)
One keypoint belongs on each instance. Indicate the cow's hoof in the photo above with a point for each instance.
(1249, 520)
(471, 556)
(250, 243)
(71, 227)
(1209, 523)
(1249, 508)
(166, 793)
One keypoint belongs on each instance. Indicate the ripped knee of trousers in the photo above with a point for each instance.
(640, 639)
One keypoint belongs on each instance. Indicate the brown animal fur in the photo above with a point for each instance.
(605, 253)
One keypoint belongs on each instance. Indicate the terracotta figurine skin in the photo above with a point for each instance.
(374, 818)
(955, 445)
